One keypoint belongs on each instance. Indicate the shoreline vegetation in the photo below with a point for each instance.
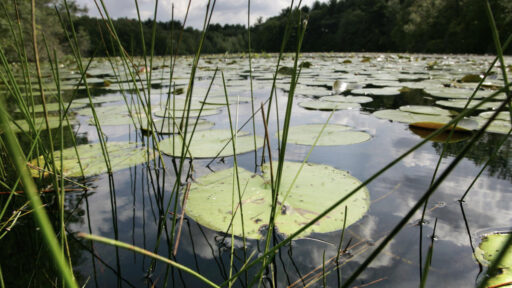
(414, 26)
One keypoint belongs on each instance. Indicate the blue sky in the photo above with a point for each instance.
(226, 11)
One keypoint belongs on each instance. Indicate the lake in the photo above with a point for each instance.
(130, 204)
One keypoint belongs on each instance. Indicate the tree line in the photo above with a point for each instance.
(420, 26)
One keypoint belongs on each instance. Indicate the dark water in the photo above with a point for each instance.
(128, 207)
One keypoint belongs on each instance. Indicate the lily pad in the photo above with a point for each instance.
(461, 103)
(182, 114)
(347, 99)
(487, 251)
(377, 91)
(332, 135)
(429, 110)
(328, 105)
(53, 107)
(99, 99)
(40, 123)
(221, 100)
(408, 117)
(165, 126)
(496, 126)
(317, 187)
(455, 137)
(208, 143)
(503, 115)
(122, 155)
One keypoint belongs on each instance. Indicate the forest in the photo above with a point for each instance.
(416, 26)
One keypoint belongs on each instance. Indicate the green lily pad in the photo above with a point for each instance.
(496, 126)
(182, 114)
(221, 100)
(108, 120)
(429, 110)
(107, 110)
(316, 188)
(377, 91)
(53, 107)
(122, 155)
(332, 135)
(461, 103)
(328, 105)
(453, 93)
(208, 143)
(40, 123)
(503, 115)
(347, 99)
(99, 99)
(408, 117)
(487, 251)
(490, 247)
(165, 126)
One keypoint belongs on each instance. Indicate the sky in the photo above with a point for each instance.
(226, 11)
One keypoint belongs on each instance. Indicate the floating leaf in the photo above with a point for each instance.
(503, 115)
(455, 136)
(121, 154)
(316, 188)
(166, 126)
(460, 103)
(496, 126)
(429, 110)
(347, 99)
(207, 144)
(40, 123)
(408, 117)
(53, 107)
(488, 250)
(462, 125)
(327, 105)
(332, 135)
(99, 99)
(377, 91)
(221, 100)
(182, 114)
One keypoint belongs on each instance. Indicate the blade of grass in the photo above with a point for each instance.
(127, 246)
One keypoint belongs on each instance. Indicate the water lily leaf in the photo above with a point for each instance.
(328, 105)
(107, 120)
(496, 126)
(40, 123)
(490, 247)
(100, 99)
(53, 107)
(332, 135)
(347, 99)
(122, 155)
(182, 114)
(208, 143)
(408, 117)
(462, 125)
(461, 103)
(503, 115)
(221, 100)
(487, 251)
(107, 110)
(429, 110)
(455, 137)
(165, 126)
(377, 91)
(317, 187)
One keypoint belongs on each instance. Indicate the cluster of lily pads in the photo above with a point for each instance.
(331, 83)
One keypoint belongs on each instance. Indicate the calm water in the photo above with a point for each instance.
(129, 205)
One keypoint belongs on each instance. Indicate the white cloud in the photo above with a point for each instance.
(226, 11)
